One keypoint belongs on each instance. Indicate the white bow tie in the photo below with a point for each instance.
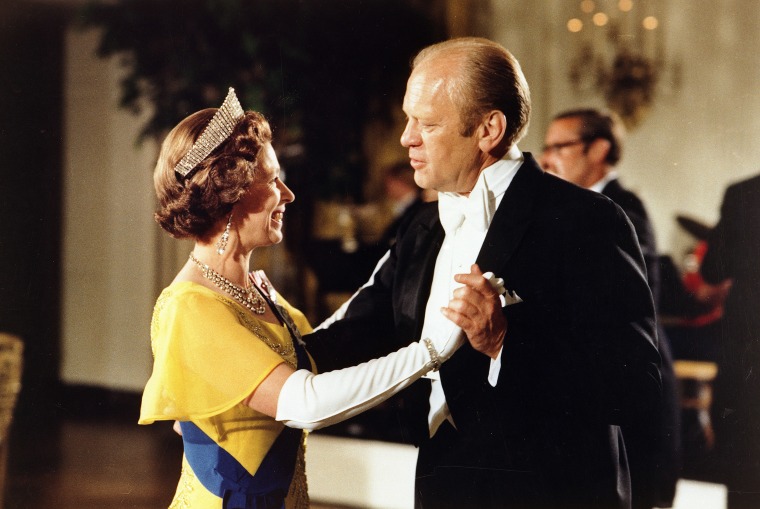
(453, 209)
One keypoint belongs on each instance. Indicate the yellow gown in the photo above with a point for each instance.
(209, 354)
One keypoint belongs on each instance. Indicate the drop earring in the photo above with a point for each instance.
(221, 244)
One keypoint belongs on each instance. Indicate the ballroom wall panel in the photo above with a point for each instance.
(109, 238)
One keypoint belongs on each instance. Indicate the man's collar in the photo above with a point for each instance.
(480, 205)
(496, 178)
(602, 183)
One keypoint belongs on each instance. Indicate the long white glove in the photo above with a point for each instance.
(310, 401)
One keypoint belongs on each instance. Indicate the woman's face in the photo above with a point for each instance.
(260, 212)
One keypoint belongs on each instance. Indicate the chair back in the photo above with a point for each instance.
(11, 362)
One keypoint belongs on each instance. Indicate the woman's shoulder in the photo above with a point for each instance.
(185, 288)
(187, 301)
(260, 278)
(190, 293)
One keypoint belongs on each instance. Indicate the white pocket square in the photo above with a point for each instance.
(510, 297)
(507, 297)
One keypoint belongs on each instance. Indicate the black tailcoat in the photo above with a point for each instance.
(579, 358)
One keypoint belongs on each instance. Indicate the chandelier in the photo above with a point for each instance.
(618, 52)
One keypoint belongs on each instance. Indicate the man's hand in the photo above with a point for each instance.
(714, 295)
(476, 308)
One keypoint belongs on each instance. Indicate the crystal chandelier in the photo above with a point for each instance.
(618, 52)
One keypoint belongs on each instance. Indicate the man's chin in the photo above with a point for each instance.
(421, 180)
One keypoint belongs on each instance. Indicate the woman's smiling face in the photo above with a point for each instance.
(259, 214)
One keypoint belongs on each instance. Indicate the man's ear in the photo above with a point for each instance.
(492, 130)
(598, 149)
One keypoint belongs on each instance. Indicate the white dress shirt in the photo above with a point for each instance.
(602, 183)
(460, 249)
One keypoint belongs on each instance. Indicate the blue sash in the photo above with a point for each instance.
(224, 476)
(221, 474)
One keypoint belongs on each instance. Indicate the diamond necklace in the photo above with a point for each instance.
(246, 297)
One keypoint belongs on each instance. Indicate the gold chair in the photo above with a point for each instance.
(11, 361)
(695, 380)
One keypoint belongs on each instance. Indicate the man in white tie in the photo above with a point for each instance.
(527, 415)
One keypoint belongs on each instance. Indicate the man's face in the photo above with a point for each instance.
(442, 158)
(565, 154)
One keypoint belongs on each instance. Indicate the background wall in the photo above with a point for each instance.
(697, 139)
(700, 135)
(110, 248)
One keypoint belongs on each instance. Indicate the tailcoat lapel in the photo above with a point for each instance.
(468, 368)
(512, 218)
(416, 256)
(413, 289)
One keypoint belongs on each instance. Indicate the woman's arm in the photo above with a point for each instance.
(264, 398)
(304, 400)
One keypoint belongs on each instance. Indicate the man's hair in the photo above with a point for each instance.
(599, 124)
(488, 78)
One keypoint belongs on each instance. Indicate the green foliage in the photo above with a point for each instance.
(318, 69)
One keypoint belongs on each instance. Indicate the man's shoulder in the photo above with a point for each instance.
(749, 186)
(741, 203)
(560, 193)
(569, 207)
(615, 189)
(628, 200)
(550, 189)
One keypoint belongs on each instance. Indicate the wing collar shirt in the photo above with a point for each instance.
(601, 184)
(465, 219)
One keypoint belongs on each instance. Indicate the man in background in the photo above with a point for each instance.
(733, 254)
(404, 197)
(583, 146)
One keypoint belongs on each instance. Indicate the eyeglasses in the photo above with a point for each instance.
(556, 147)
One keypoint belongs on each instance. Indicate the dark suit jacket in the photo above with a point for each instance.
(655, 460)
(733, 251)
(579, 357)
(634, 209)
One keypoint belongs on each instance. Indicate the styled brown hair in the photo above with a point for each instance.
(489, 78)
(191, 206)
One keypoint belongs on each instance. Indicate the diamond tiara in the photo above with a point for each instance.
(218, 129)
